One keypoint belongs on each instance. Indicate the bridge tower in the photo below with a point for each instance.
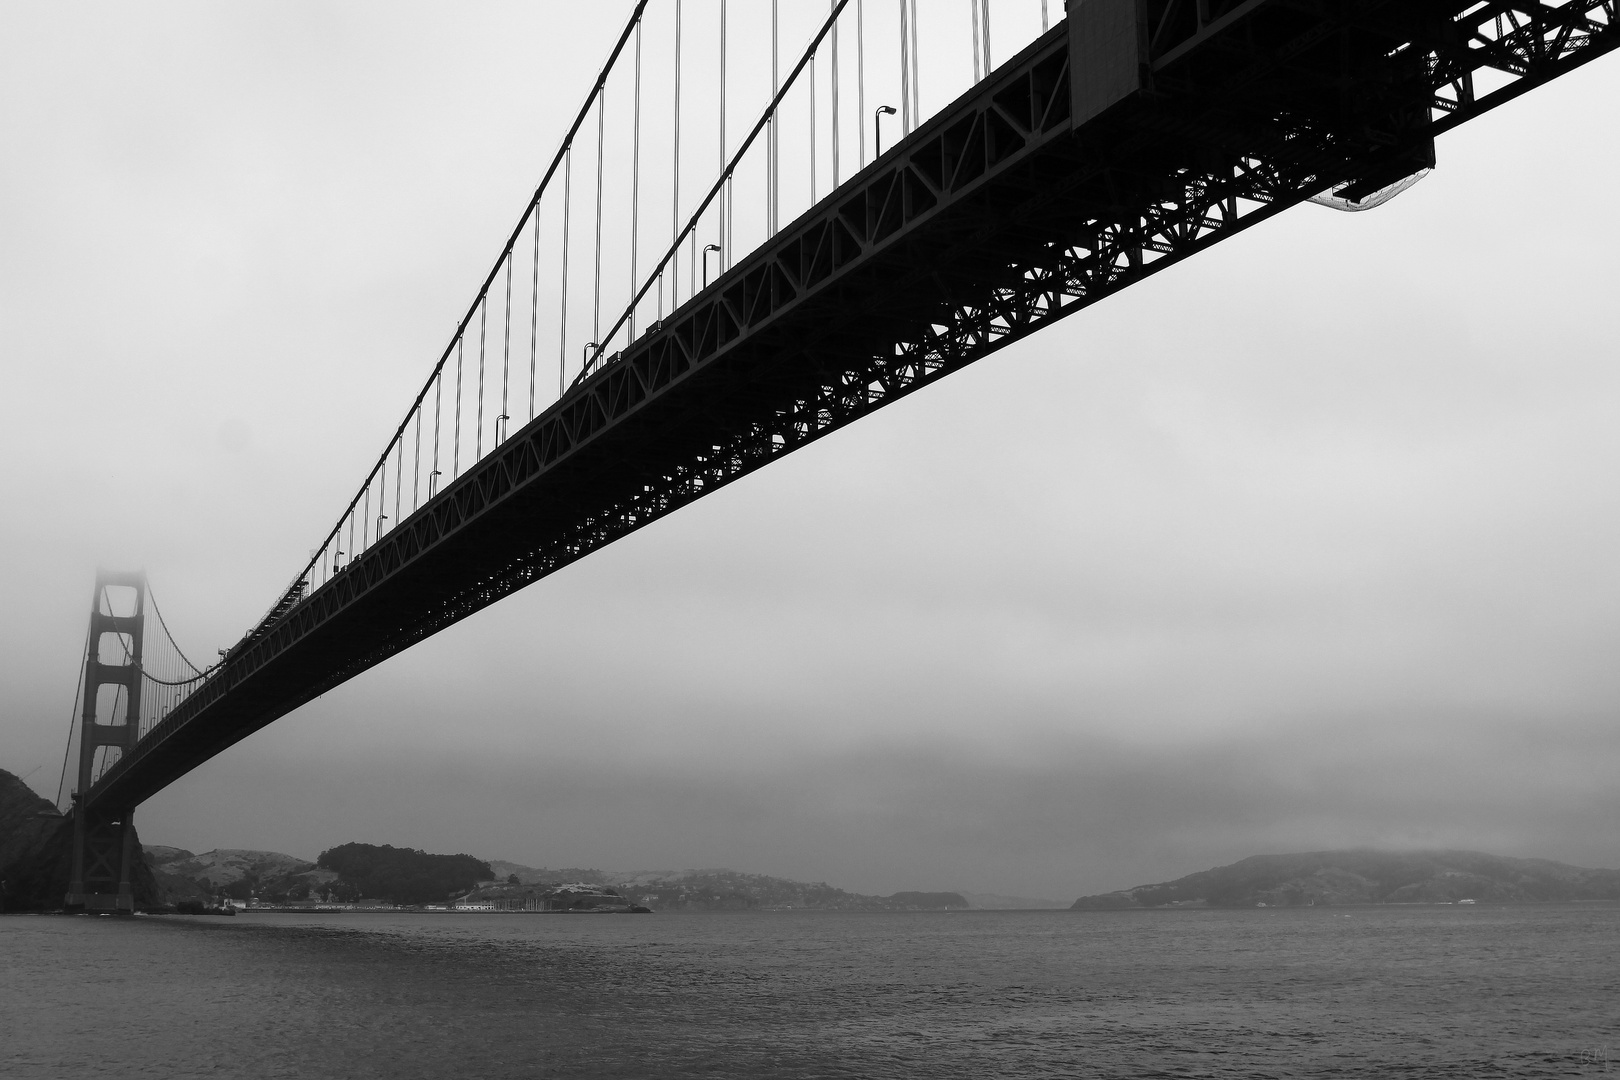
(104, 836)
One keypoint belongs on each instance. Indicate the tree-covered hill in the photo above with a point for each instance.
(1369, 877)
(403, 875)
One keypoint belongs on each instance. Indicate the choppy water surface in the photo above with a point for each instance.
(1430, 992)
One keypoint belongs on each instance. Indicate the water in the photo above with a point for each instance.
(1369, 992)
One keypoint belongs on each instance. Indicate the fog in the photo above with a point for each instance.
(1306, 542)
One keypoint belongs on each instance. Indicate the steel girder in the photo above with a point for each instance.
(986, 224)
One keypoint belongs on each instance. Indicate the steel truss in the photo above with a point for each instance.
(988, 223)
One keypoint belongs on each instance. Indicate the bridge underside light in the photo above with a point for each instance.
(1372, 200)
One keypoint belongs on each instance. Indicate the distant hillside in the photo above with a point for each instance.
(238, 873)
(1369, 877)
(724, 890)
(997, 902)
(227, 866)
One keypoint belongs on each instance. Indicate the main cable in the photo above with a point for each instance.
(725, 176)
(556, 162)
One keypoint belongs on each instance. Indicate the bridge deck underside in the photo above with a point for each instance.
(989, 222)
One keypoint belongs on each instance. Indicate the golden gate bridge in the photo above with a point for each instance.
(743, 244)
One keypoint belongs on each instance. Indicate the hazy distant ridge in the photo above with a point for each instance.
(1369, 877)
(724, 890)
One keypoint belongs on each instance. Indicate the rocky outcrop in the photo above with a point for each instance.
(29, 826)
(36, 854)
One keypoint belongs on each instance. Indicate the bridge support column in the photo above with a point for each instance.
(104, 837)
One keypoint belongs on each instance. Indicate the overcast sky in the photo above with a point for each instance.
(1310, 541)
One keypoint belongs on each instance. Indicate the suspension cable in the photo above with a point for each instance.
(720, 184)
(73, 720)
(455, 452)
(905, 74)
(562, 321)
(860, 75)
(534, 314)
(916, 67)
(675, 198)
(773, 137)
(635, 177)
(545, 180)
(601, 121)
(399, 478)
(836, 179)
(438, 399)
(725, 198)
(478, 429)
(152, 599)
(506, 357)
(812, 85)
(978, 70)
(984, 23)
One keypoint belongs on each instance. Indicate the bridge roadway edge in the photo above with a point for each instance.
(764, 361)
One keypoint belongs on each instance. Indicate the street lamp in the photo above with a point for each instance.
(877, 126)
(706, 249)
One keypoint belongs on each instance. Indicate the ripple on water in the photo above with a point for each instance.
(1430, 992)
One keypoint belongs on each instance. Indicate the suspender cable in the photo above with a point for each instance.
(438, 396)
(545, 180)
(416, 465)
(562, 319)
(916, 72)
(690, 231)
(399, 479)
(772, 145)
(860, 75)
(725, 198)
(984, 25)
(835, 176)
(635, 179)
(506, 358)
(478, 413)
(812, 85)
(675, 197)
(455, 454)
(601, 139)
(978, 69)
(905, 73)
(534, 313)
(1045, 24)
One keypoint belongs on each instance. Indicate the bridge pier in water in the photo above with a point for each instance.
(104, 836)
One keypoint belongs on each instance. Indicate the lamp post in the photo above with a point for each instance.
(706, 249)
(877, 127)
